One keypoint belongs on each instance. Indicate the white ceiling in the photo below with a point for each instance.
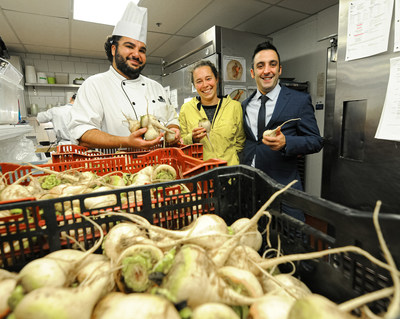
(47, 27)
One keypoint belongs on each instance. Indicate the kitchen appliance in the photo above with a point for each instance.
(229, 50)
(358, 169)
(11, 93)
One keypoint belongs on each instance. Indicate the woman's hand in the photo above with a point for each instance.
(198, 133)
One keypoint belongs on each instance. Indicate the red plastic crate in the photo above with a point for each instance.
(184, 165)
(67, 153)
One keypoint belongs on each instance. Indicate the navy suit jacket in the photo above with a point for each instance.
(302, 137)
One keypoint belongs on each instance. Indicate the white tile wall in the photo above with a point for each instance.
(76, 67)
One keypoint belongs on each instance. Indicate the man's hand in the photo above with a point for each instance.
(136, 139)
(177, 136)
(275, 143)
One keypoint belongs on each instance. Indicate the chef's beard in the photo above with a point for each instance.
(124, 67)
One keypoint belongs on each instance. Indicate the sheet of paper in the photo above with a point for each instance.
(397, 26)
(389, 124)
(368, 28)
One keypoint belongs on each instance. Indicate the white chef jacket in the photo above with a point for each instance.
(59, 116)
(104, 98)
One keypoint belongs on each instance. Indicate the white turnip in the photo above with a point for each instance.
(66, 303)
(214, 310)
(274, 131)
(117, 305)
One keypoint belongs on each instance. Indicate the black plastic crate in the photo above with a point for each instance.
(231, 192)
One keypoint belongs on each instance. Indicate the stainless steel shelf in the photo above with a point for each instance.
(53, 85)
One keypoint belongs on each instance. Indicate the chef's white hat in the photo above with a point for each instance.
(133, 23)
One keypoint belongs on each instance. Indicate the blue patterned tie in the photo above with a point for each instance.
(261, 117)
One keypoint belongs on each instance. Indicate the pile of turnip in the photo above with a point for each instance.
(207, 270)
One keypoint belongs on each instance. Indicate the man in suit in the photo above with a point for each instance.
(267, 108)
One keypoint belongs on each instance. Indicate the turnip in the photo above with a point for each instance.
(315, 306)
(252, 238)
(13, 192)
(214, 310)
(274, 131)
(245, 257)
(163, 173)
(205, 123)
(58, 268)
(204, 228)
(117, 305)
(285, 284)
(7, 286)
(193, 278)
(120, 237)
(66, 303)
(272, 307)
(137, 261)
(134, 125)
(243, 279)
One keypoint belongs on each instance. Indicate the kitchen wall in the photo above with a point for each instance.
(303, 57)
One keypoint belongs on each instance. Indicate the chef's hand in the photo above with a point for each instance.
(177, 136)
(198, 133)
(136, 139)
(275, 143)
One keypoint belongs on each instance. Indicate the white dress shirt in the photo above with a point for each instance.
(254, 106)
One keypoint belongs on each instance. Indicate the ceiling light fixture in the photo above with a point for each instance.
(100, 11)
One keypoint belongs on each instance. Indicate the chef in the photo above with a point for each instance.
(106, 100)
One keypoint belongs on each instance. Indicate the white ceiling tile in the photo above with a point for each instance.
(42, 7)
(40, 30)
(6, 33)
(224, 13)
(172, 14)
(271, 20)
(85, 35)
(310, 6)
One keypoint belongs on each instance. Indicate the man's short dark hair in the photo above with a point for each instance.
(264, 46)
(111, 40)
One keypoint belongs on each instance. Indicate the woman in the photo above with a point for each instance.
(226, 138)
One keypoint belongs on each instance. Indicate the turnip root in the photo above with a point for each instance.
(13, 192)
(214, 310)
(285, 284)
(274, 131)
(252, 238)
(101, 201)
(163, 173)
(120, 237)
(66, 303)
(137, 261)
(7, 286)
(117, 305)
(204, 228)
(272, 307)
(243, 278)
(245, 257)
(134, 125)
(315, 306)
(193, 278)
(205, 123)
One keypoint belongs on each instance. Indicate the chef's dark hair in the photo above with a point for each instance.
(264, 46)
(205, 63)
(111, 40)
